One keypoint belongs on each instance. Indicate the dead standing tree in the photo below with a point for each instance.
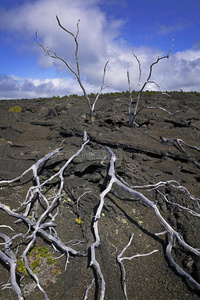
(136, 111)
(76, 72)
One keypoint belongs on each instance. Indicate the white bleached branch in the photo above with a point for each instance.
(136, 111)
(179, 142)
(38, 227)
(76, 72)
(173, 235)
(120, 259)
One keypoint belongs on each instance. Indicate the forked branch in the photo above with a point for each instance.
(49, 205)
(173, 235)
(76, 72)
(120, 259)
(132, 119)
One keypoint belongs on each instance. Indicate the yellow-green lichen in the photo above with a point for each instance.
(122, 220)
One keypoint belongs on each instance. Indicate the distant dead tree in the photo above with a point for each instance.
(136, 111)
(76, 72)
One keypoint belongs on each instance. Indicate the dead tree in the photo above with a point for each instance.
(136, 111)
(76, 72)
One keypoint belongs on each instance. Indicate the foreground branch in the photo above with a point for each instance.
(120, 259)
(36, 194)
(43, 223)
(173, 235)
(9, 258)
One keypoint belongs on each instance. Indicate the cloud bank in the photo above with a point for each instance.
(99, 40)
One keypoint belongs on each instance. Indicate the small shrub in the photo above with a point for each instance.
(38, 258)
(16, 108)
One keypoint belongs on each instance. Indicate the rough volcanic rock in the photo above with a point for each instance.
(143, 158)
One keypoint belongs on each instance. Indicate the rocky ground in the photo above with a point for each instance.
(38, 127)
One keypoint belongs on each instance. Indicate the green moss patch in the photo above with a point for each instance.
(41, 263)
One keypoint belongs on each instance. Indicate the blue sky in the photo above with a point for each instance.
(109, 30)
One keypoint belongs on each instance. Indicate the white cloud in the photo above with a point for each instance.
(98, 42)
(8, 83)
(181, 71)
(13, 87)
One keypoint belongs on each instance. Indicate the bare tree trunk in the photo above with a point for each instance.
(76, 72)
(132, 120)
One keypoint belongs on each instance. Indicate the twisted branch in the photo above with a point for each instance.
(38, 227)
(173, 235)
